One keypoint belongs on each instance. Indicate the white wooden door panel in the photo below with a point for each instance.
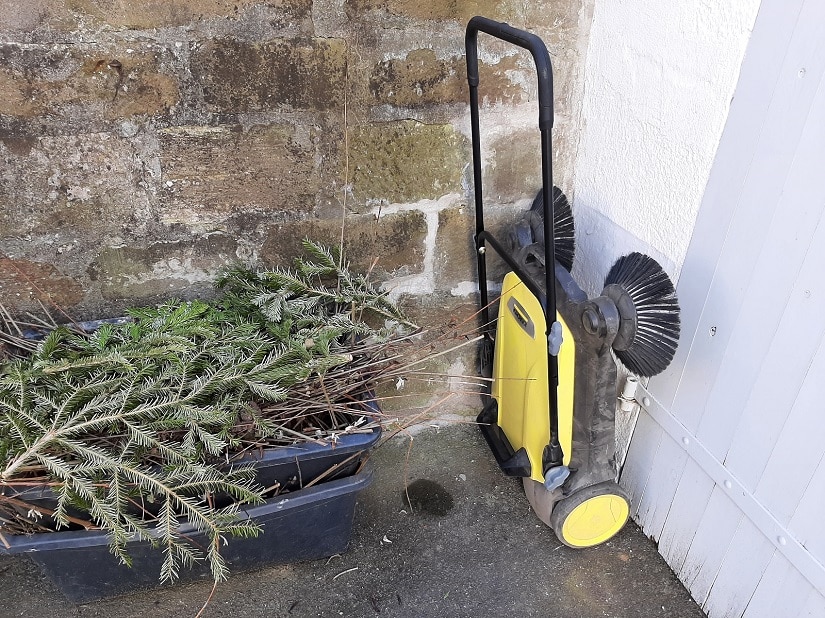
(815, 607)
(727, 466)
(710, 544)
(782, 485)
(758, 78)
(686, 510)
(666, 472)
(734, 354)
(746, 560)
(782, 591)
(791, 275)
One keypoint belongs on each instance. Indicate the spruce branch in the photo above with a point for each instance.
(133, 424)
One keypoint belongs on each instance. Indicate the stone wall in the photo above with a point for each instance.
(146, 145)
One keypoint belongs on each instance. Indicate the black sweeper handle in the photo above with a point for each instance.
(553, 453)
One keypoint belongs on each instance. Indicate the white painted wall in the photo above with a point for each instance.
(658, 82)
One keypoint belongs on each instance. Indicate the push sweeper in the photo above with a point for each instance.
(550, 414)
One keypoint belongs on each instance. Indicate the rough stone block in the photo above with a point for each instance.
(209, 173)
(87, 185)
(419, 79)
(447, 321)
(85, 83)
(445, 380)
(23, 283)
(513, 169)
(455, 259)
(166, 13)
(454, 250)
(162, 269)
(62, 20)
(15, 100)
(34, 20)
(396, 241)
(430, 9)
(422, 79)
(400, 162)
(238, 76)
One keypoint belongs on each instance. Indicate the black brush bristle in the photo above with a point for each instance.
(563, 226)
(651, 291)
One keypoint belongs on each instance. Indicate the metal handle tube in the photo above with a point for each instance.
(486, 325)
(544, 70)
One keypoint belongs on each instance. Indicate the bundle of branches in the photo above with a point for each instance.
(154, 410)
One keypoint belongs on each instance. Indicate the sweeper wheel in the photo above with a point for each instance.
(590, 516)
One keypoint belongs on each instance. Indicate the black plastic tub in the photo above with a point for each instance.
(293, 467)
(281, 469)
(307, 524)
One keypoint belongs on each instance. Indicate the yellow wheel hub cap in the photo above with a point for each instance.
(595, 520)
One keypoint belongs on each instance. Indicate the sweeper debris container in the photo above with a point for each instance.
(550, 414)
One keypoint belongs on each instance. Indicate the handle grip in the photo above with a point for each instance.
(526, 40)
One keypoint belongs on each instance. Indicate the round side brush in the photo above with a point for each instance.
(649, 313)
(564, 228)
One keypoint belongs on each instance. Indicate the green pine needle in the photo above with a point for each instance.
(134, 423)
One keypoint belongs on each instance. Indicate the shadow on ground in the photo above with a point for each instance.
(470, 546)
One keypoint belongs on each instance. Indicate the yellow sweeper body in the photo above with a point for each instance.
(592, 514)
(520, 376)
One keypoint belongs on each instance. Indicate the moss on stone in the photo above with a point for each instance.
(406, 161)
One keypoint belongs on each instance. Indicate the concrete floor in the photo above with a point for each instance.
(471, 547)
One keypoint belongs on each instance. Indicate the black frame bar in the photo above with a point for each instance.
(553, 453)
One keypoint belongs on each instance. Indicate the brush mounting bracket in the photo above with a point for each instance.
(626, 315)
(601, 319)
